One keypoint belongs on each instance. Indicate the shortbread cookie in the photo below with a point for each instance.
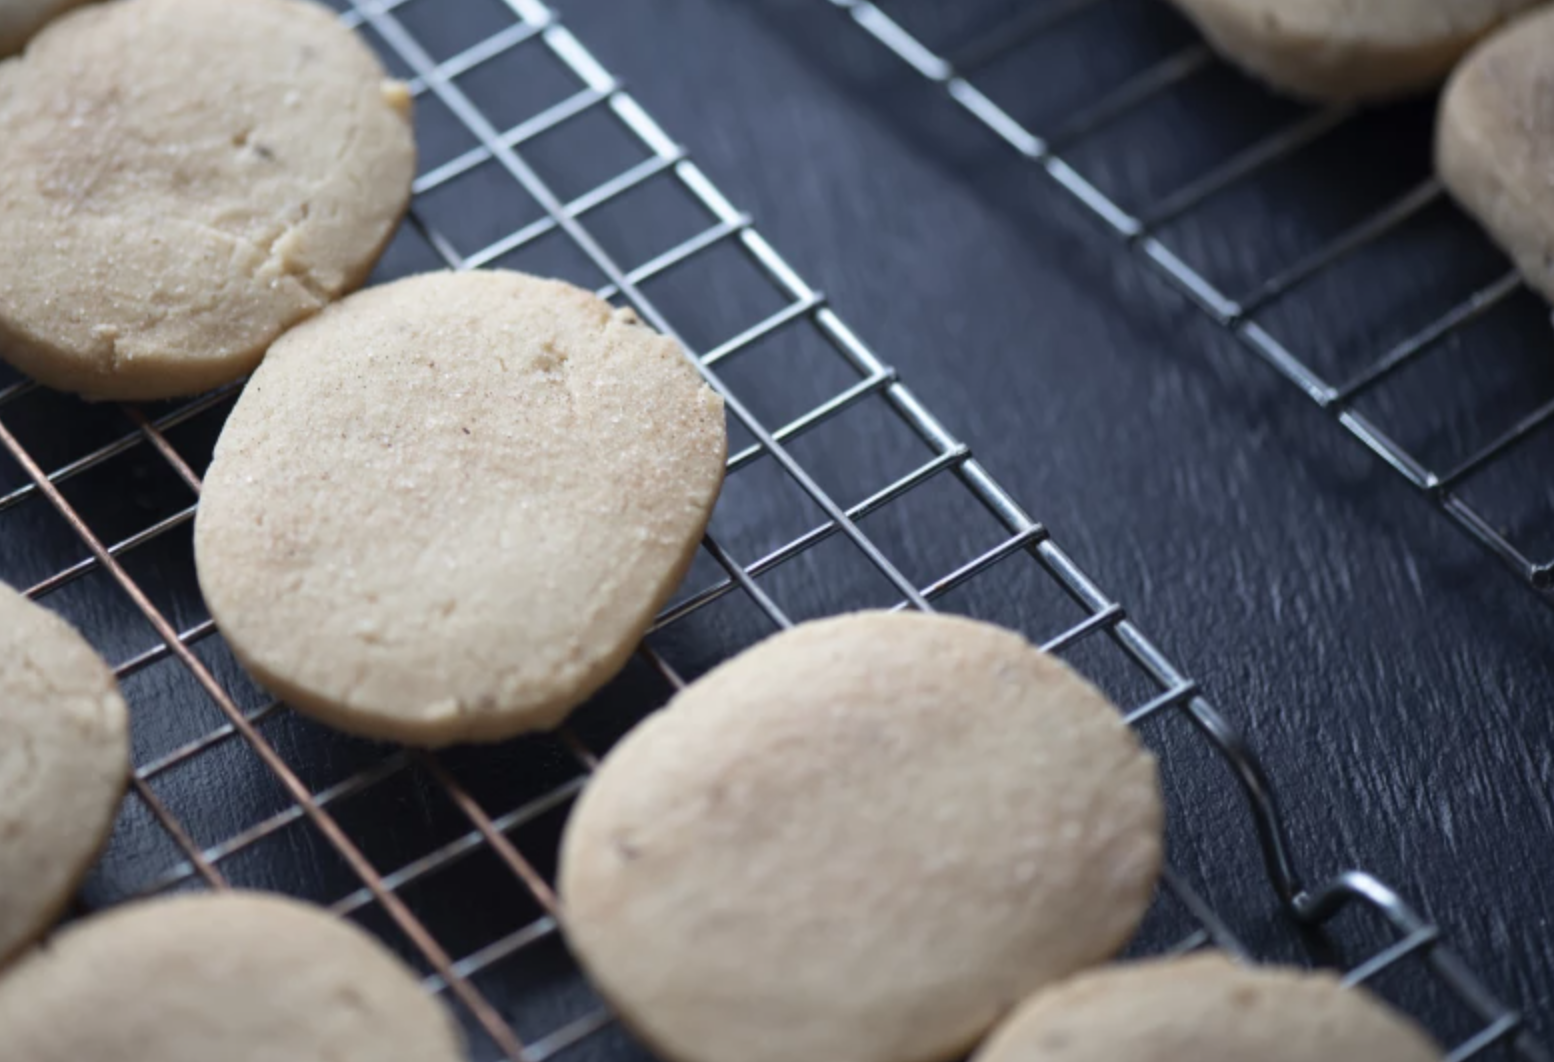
(64, 762)
(20, 19)
(182, 180)
(1495, 144)
(1207, 1009)
(239, 977)
(864, 839)
(447, 509)
(1343, 50)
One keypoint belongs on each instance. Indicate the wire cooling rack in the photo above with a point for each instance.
(535, 157)
(1357, 282)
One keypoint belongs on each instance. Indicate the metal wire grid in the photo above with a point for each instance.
(377, 896)
(1141, 227)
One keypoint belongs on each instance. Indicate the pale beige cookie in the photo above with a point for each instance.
(64, 762)
(865, 840)
(1207, 1009)
(20, 19)
(447, 509)
(1495, 143)
(181, 180)
(239, 977)
(1343, 50)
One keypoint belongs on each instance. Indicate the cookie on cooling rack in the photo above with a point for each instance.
(1208, 1009)
(865, 839)
(447, 509)
(20, 19)
(182, 180)
(1495, 143)
(64, 762)
(239, 977)
(1340, 50)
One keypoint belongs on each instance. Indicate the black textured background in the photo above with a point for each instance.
(1393, 678)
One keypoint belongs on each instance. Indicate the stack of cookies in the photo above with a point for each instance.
(446, 510)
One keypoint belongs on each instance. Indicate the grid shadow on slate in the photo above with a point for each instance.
(449, 857)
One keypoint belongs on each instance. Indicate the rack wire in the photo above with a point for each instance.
(450, 856)
(1488, 484)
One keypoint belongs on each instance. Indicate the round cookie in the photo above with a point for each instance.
(1343, 50)
(1207, 1009)
(239, 977)
(64, 763)
(1494, 147)
(865, 839)
(20, 19)
(182, 180)
(447, 509)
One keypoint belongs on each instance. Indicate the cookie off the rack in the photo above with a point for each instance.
(181, 180)
(219, 977)
(447, 509)
(864, 839)
(1345, 50)
(1495, 142)
(64, 763)
(1207, 1009)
